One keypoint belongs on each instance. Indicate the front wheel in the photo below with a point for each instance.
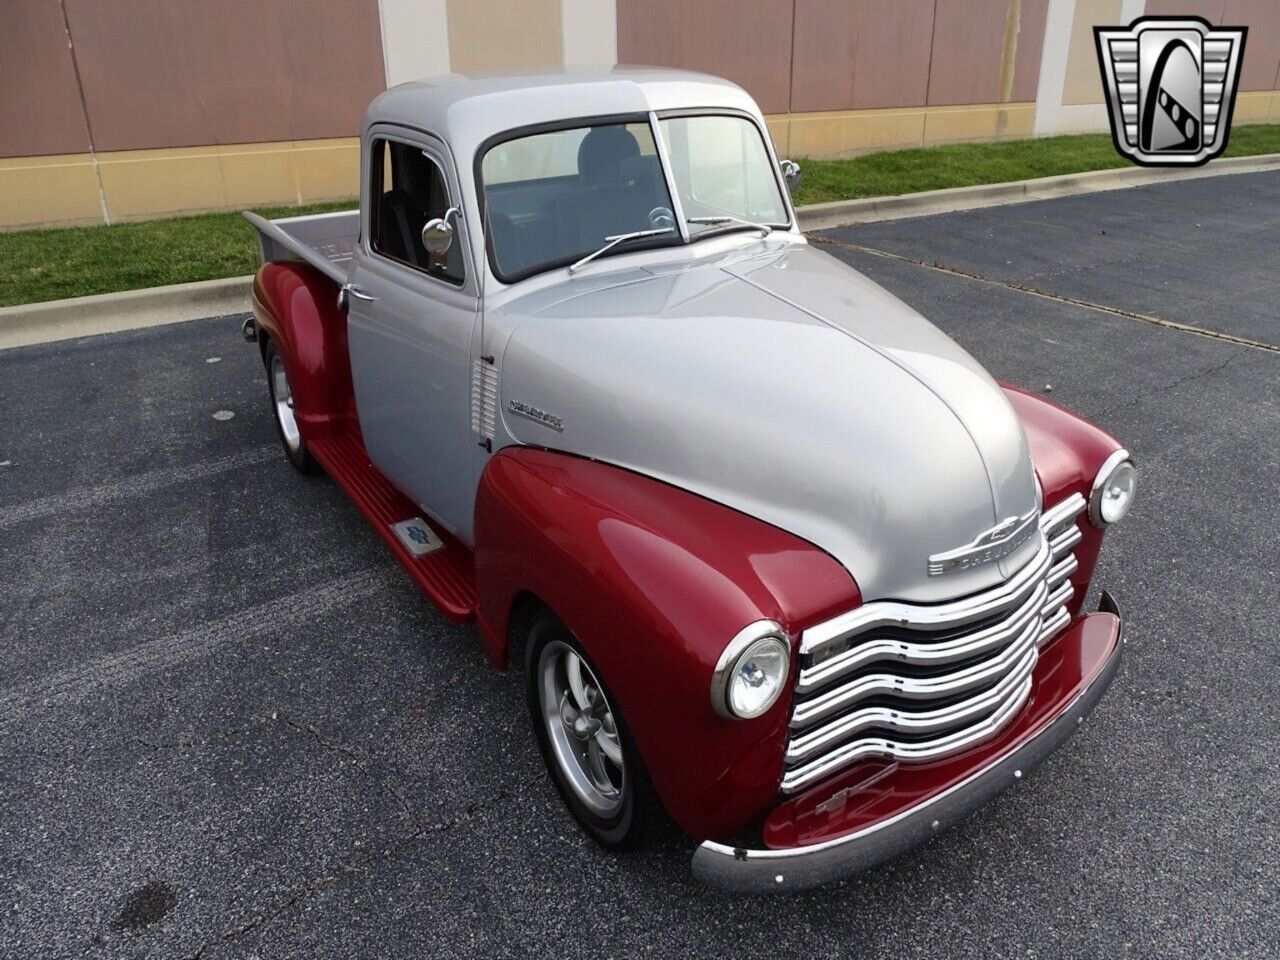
(282, 406)
(584, 739)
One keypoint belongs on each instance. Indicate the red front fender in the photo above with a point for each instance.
(1067, 452)
(654, 581)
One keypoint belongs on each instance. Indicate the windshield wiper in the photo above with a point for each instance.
(611, 242)
(764, 228)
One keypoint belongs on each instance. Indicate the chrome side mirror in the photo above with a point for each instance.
(791, 175)
(437, 234)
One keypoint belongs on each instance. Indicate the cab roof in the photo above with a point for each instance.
(466, 109)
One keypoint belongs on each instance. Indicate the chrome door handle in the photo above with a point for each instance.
(358, 292)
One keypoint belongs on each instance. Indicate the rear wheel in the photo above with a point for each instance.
(282, 406)
(584, 739)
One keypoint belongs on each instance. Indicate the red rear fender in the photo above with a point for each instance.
(297, 307)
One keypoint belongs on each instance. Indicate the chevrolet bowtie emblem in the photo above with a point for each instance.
(988, 546)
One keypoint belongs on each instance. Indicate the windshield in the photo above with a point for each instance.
(553, 198)
(721, 169)
(566, 197)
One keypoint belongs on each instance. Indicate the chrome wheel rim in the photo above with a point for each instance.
(581, 729)
(283, 397)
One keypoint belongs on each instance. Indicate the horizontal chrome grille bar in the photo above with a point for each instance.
(1059, 596)
(1065, 541)
(916, 688)
(907, 721)
(801, 777)
(926, 654)
(911, 616)
(1061, 514)
(944, 676)
(1054, 625)
(1062, 570)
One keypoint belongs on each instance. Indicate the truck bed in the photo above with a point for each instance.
(326, 241)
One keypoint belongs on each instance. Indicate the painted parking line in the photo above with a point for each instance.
(120, 669)
(80, 499)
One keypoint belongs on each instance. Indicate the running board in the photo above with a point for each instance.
(438, 564)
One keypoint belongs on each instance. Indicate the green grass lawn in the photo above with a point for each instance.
(40, 265)
(77, 261)
(892, 172)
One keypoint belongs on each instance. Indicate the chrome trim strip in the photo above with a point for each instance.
(795, 780)
(902, 651)
(916, 688)
(923, 721)
(743, 870)
(916, 617)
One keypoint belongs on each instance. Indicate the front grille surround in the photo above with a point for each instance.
(915, 682)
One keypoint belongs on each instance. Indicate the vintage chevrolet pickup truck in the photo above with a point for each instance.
(780, 560)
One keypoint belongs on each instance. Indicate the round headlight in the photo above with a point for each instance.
(1113, 490)
(751, 671)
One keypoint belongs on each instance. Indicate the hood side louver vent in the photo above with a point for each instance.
(484, 397)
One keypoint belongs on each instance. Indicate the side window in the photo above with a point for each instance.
(408, 190)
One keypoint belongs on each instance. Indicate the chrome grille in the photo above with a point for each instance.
(918, 682)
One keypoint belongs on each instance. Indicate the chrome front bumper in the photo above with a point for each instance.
(788, 870)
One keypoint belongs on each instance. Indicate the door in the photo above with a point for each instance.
(411, 344)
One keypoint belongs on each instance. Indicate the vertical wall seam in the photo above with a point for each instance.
(84, 110)
(1131, 10)
(561, 2)
(382, 35)
(791, 63)
(448, 35)
(1009, 50)
(928, 75)
(1058, 21)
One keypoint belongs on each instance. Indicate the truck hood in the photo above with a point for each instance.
(790, 387)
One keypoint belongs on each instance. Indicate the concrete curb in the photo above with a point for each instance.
(128, 310)
(134, 309)
(820, 216)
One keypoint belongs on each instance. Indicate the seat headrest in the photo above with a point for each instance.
(602, 152)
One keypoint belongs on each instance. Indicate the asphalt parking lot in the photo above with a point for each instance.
(230, 726)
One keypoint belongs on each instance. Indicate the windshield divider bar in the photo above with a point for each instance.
(664, 158)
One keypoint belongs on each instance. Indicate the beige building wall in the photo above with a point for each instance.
(499, 35)
(121, 109)
(1083, 83)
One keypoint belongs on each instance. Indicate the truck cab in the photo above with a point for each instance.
(780, 561)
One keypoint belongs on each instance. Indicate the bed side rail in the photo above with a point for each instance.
(324, 241)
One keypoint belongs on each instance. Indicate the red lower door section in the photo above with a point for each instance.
(879, 791)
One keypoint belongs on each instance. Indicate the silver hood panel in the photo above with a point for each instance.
(790, 387)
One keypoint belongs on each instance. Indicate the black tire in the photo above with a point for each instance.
(639, 810)
(295, 448)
